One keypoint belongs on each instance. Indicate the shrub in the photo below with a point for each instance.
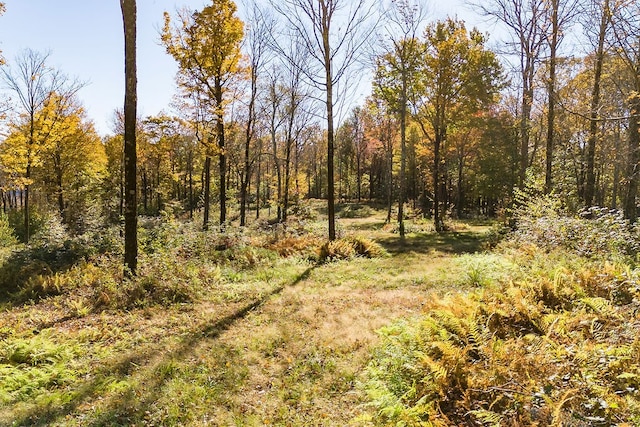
(596, 232)
(556, 348)
(7, 233)
(354, 210)
(295, 245)
(349, 247)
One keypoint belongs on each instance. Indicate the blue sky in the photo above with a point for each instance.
(85, 40)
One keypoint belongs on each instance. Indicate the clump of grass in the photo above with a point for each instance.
(350, 247)
(305, 246)
(552, 347)
(354, 210)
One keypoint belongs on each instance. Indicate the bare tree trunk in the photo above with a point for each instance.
(553, 46)
(460, 197)
(595, 102)
(287, 179)
(331, 208)
(190, 166)
(128, 8)
(276, 163)
(222, 155)
(403, 157)
(437, 193)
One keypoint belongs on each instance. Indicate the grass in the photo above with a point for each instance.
(248, 333)
(257, 327)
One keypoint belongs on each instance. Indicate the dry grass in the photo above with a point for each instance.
(305, 350)
(282, 343)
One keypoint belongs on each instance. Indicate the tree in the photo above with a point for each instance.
(603, 8)
(396, 74)
(206, 46)
(559, 13)
(257, 39)
(333, 43)
(382, 130)
(274, 104)
(458, 77)
(129, 12)
(524, 19)
(34, 83)
(626, 24)
(72, 162)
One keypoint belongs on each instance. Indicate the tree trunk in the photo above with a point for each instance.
(258, 183)
(128, 8)
(25, 203)
(460, 197)
(207, 192)
(527, 99)
(222, 156)
(276, 163)
(145, 195)
(403, 158)
(60, 193)
(634, 157)
(437, 190)
(389, 180)
(595, 102)
(548, 182)
(287, 178)
(244, 181)
(190, 161)
(331, 208)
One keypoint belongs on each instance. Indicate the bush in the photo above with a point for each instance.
(305, 246)
(349, 247)
(596, 232)
(555, 348)
(7, 233)
(16, 221)
(354, 210)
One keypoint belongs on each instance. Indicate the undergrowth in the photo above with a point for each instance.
(559, 348)
(549, 336)
(350, 247)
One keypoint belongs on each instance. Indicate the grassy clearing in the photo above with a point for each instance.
(268, 327)
(245, 328)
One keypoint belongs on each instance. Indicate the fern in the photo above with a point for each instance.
(487, 417)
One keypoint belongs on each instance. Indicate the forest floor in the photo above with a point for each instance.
(284, 344)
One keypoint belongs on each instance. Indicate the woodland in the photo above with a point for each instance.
(459, 248)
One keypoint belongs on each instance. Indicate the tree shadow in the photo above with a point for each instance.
(447, 242)
(144, 365)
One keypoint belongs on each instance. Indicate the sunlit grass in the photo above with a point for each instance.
(246, 328)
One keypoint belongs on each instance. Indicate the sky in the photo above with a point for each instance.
(85, 40)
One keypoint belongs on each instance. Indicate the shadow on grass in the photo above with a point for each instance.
(447, 242)
(144, 366)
